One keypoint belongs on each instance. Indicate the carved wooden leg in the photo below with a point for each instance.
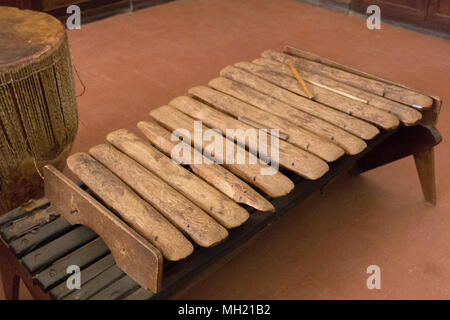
(10, 284)
(425, 168)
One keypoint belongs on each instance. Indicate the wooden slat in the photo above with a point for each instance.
(57, 272)
(330, 134)
(407, 115)
(43, 234)
(213, 173)
(429, 115)
(179, 210)
(104, 279)
(29, 222)
(61, 290)
(190, 186)
(141, 216)
(392, 92)
(139, 294)
(58, 248)
(350, 143)
(352, 107)
(275, 185)
(138, 257)
(116, 290)
(290, 156)
(21, 211)
(295, 135)
(353, 125)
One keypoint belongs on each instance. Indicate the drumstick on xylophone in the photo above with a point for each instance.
(300, 80)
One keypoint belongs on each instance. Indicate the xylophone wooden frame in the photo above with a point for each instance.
(389, 146)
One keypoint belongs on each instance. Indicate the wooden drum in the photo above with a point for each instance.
(38, 113)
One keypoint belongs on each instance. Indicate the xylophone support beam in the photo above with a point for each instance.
(417, 141)
(132, 253)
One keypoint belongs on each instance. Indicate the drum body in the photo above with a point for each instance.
(38, 113)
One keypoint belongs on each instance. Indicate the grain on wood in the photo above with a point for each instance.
(140, 215)
(295, 135)
(349, 142)
(239, 161)
(188, 184)
(179, 210)
(268, 110)
(383, 89)
(212, 172)
(289, 156)
(407, 115)
(351, 124)
(352, 107)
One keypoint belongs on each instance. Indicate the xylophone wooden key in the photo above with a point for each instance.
(291, 157)
(352, 107)
(212, 201)
(275, 108)
(180, 211)
(383, 89)
(212, 172)
(297, 136)
(274, 185)
(407, 115)
(353, 125)
(332, 135)
(141, 216)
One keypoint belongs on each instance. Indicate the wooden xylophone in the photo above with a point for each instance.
(150, 206)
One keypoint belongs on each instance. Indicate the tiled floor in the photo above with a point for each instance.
(135, 62)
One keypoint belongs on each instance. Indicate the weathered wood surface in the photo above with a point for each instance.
(405, 142)
(116, 290)
(140, 215)
(28, 223)
(56, 249)
(179, 210)
(389, 91)
(248, 168)
(89, 273)
(429, 115)
(352, 107)
(101, 281)
(82, 257)
(188, 184)
(408, 116)
(424, 161)
(295, 135)
(349, 142)
(29, 241)
(212, 172)
(238, 108)
(290, 156)
(134, 254)
(353, 125)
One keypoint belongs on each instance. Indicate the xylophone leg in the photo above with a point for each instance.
(425, 168)
(417, 141)
(10, 284)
